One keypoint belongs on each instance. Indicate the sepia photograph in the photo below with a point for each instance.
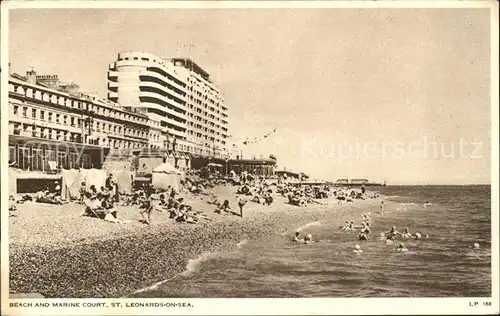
(158, 153)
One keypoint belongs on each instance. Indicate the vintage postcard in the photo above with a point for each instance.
(249, 158)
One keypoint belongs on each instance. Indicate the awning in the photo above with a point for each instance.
(214, 165)
(168, 154)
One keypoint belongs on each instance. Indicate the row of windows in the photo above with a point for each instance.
(208, 89)
(196, 118)
(203, 95)
(77, 104)
(38, 114)
(74, 121)
(206, 105)
(200, 135)
(200, 109)
(203, 129)
(43, 132)
(194, 111)
(117, 143)
(135, 58)
(63, 135)
(154, 137)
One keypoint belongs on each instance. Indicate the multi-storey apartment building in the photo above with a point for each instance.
(50, 121)
(206, 112)
(177, 93)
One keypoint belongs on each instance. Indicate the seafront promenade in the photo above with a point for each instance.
(59, 253)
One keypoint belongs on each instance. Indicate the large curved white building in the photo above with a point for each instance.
(175, 92)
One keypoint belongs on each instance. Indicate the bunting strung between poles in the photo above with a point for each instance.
(257, 139)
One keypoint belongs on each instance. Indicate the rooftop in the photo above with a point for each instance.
(190, 64)
(80, 95)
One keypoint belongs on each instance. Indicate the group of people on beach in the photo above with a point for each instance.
(50, 194)
(168, 200)
(225, 207)
(101, 203)
(257, 189)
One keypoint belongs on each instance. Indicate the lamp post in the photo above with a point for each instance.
(166, 143)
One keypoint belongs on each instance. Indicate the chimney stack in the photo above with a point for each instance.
(31, 76)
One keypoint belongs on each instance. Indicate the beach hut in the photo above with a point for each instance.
(72, 181)
(12, 182)
(166, 175)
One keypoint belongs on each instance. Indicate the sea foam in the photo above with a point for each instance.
(315, 223)
(191, 267)
(193, 264)
(242, 243)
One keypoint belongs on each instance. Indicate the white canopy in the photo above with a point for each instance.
(166, 168)
(214, 165)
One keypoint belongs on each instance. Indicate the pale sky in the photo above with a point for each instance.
(383, 82)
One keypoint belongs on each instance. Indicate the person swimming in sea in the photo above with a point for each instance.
(297, 237)
(390, 239)
(357, 250)
(476, 246)
(308, 239)
(362, 236)
(392, 233)
(406, 234)
(418, 236)
(348, 226)
(401, 247)
(351, 226)
(366, 227)
(365, 230)
(427, 203)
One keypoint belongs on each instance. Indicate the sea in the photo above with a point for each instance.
(442, 265)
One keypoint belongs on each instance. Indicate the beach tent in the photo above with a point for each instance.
(72, 181)
(169, 158)
(214, 165)
(12, 182)
(181, 162)
(166, 175)
(123, 181)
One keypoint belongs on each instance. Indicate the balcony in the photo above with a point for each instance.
(113, 86)
(165, 79)
(162, 89)
(113, 96)
(164, 117)
(113, 75)
(165, 102)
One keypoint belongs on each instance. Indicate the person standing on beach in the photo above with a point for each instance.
(382, 207)
(241, 204)
(112, 186)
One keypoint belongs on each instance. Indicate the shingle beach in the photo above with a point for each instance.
(58, 253)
